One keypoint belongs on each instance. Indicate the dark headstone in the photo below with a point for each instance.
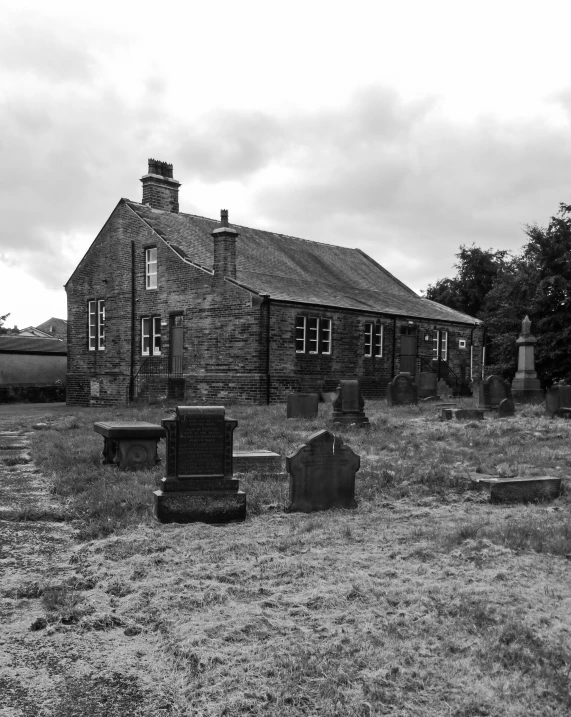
(557, 399)
(302, 405)
(520, 489)
(130, 444)
(322, 474)
(199, 486)
(493, 390)
(426, 382)
(349, 404)
(402, 390)
(506, 408)
(461, 414)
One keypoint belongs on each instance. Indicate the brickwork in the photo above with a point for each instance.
(226, 329)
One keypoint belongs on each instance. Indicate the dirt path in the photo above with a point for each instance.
(48, 666)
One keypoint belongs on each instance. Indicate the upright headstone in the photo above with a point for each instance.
(349, 404)
(199, 484)
(322, 474)
(493, 390)
(506, 408)
(402, 390)
(426, 382)
(302, 405)
(526, 387)
(557, 399)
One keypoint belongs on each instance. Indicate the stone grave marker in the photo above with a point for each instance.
(199, 484)
(558, 400)
(322, 474)
(493, 390)
(402, 390)
(302, 405)
(461, 414)
(506, 408)
(129, 444)
(517, 489)
(349, 404)
(526, 387)
(427, 385)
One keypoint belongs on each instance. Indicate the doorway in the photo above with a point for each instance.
(176, 344)
(408, 349)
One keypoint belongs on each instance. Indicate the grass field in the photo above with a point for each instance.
(425, 600)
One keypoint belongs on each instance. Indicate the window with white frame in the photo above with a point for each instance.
(440, 345)
(300, 326)
(96, 324)
(313, 335)
(151, 268)
(151, 335)
(373, 339)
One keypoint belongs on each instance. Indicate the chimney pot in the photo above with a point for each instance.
(160, 190)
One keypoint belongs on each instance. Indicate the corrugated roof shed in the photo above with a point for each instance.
(32, 345)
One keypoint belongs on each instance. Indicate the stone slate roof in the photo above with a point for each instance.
(59, 328)
(32, 345)
(291, 269)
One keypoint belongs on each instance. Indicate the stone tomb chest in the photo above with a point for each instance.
(199, 484)
(322, 474)
(130, 444)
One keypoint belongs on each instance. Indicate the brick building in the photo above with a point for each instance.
(201, 310)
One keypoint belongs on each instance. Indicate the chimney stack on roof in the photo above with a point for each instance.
(224, 237)
(160, 190)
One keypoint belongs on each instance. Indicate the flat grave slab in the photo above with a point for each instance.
(263, 461)
(130, 444)
(461, 414)
(518, 489)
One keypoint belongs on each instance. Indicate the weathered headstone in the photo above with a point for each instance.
(302, 405)
(426, 382)
(402, 390)
(518, 489)
(129, 444)
(526, 387)
(493, 390)
(322, 474)
(349, 404)
(557, 399)
(506, 408)
(199, 484)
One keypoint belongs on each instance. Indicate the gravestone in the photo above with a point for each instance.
(302, 405)
(402, 390)
(259, 461)
(518, 489)
(426, 382)
(493, 390)
(557, 399)
(322, 474)
(349, 404)
(506, 408)
(129, 444)
(199, 484)
(526, 387)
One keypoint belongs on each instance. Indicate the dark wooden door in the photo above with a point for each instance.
(408, 350)
(176, 344)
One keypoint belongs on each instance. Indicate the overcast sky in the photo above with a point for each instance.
(403, 128)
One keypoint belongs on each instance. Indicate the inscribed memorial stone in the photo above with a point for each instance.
(199, 485)
(493, 390)
(349, 404)
(402, 390)
(302, 405)
(322, 474)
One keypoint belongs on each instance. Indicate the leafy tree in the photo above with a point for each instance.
(2, 320)
(477, 271)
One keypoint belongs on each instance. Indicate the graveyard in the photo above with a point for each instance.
(420, 597)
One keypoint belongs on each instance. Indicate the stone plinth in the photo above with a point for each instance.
(520, 489)
(322, 474)
(349, 404)
(199, 484)
(402, 390)
(262, 461)
(130, 444)
(302, 405)
(526, 387)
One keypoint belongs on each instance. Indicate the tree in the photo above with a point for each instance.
(477, 271)
(2, 320)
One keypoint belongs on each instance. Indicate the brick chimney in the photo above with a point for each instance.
(224, 248)
(160, 190)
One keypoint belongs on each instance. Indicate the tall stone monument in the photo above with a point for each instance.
(199, 484)
(526, 387)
